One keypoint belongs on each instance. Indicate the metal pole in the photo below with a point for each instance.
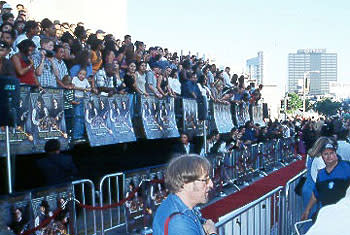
(205, 137)
(8, 160)
(304, 79)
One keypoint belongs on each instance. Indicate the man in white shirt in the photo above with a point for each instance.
(31, 31)
(227, 79)
(343, 146)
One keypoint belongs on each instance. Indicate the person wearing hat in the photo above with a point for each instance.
(332, 181)
(6, 8)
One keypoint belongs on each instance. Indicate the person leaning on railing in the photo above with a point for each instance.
(23, 63)
(332, 181)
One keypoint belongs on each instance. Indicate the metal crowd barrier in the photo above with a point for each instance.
(243, 165)
(110, 187)
(259, 217)
(292, 207)
(84, 221)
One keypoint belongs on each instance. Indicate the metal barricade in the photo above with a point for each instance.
(259, 217)
(229, 164)
(255, 163)
(286, 146)
(279, 151)
(292, 207)
(84, 221)
(269, 155)
(111, 188)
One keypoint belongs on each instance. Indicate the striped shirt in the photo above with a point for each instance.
(68, 96)
(47, 77)
(61, 67)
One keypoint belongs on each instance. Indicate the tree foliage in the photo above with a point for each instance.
(327, 107)
(294, 102)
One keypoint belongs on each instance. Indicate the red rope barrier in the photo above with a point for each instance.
(43, 223)
(89, 207)
(156, 181)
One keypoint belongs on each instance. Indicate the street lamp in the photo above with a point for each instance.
(304, 80)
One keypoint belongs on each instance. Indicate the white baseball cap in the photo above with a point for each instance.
(6, 6)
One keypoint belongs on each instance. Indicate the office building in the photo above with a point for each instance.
(319, 66)
(255, 68)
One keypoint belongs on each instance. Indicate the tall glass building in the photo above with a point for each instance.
(312, 60)
(255, 67)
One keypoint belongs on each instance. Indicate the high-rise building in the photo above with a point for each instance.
(255, 68)
(322, 68)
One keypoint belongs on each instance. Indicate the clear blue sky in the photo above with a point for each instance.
(233, 31)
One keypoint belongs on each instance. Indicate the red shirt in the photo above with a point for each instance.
(28, 77)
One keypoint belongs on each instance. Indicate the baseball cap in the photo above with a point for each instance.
(329, 146)
(6, 6)
(100, 31)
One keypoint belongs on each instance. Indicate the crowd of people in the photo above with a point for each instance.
(53, 54)
(69, 56)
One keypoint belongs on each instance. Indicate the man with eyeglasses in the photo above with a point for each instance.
(188, 182)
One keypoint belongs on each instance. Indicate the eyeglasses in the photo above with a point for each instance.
(207, 180)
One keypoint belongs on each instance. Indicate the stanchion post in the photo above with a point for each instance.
(205, 137)
(8, 161)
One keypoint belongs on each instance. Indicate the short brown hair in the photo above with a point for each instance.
(185, 169)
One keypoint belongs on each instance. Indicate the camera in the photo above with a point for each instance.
(49, 54)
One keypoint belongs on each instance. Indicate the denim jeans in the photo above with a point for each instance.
(79, 125)
(69, 118)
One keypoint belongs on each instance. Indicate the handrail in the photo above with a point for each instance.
(286, 192)
(108, 176)
(242, 209)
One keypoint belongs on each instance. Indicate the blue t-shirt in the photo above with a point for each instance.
(187, 222)
(331, 187)
(76, 68)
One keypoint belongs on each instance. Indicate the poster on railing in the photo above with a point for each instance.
(137, 207)
(47, 202)
(16, 213)
(222, 117)
(158, 118)
(97, 121)
(242, 113)
(257, 112)
(21, 137)
(47, 118)
(191, 123)
(158, 192)
(120, 118)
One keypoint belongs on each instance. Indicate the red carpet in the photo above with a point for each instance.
(252, 192)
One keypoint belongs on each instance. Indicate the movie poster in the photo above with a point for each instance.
(46, 203)
(158, 192)
(191, 124)
(222, 117)
(120, 118)
(97, 121)
(21, 137)
(158, 118)
(258, 114)
(242, 114)
(167, 118)
(136, 208)
(47, 118)
(16, 213)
